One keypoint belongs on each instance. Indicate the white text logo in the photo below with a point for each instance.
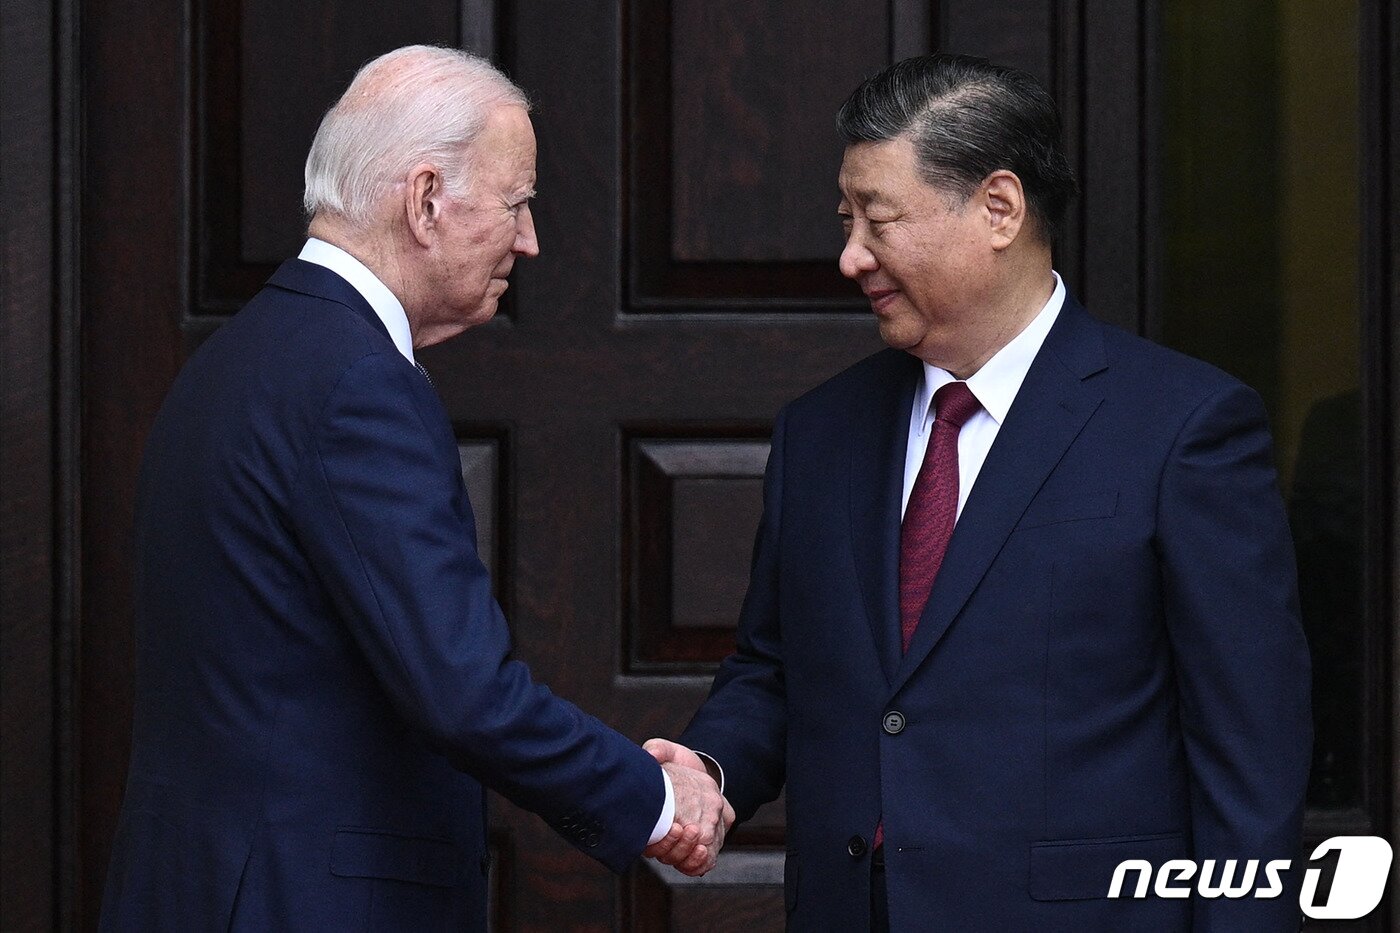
(1344, 880)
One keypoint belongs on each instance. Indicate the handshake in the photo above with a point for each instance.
(702, 815)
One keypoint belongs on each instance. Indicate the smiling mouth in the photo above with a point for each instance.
(881, 298)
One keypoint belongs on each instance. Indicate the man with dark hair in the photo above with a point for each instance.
(1023, 600)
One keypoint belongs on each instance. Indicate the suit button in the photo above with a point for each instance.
(857, 846)
(894, 722)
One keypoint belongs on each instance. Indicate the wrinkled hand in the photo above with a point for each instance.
(702, 817)
(667, 752)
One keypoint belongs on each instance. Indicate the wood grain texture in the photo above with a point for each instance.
(754, 91)
(29, 475)
(743, 893)
(624, 329)
(314, 48)
(693, 504)
(134, 297)
(732, 153)
(265, 73)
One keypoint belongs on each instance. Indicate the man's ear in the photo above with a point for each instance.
(1005, 203)
(424, 197)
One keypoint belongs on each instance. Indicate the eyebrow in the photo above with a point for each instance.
(865, 196)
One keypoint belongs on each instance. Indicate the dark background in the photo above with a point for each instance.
(613, 420)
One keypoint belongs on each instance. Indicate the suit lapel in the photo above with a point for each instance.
(1051, 408)
(876, 475)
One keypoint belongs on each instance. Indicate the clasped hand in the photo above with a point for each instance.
(702, 817)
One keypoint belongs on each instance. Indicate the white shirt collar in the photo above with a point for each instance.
(995, 385)
(385, 304)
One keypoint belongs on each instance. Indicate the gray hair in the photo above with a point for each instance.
(420, 103)
(967, 118)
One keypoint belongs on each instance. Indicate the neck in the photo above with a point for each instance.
(1001, 317)
(379, 255)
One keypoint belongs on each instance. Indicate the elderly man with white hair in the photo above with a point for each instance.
(324, 681)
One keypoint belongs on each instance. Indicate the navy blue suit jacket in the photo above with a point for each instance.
(1110, 665)
(324, 681)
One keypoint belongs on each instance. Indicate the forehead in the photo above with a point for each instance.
(506, 143)
(876, 170)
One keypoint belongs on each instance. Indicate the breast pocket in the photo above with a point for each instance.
(1056, 510)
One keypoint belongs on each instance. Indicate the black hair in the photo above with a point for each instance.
(968, 118)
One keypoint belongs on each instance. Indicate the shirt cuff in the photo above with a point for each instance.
(712, 766)
(668, 812)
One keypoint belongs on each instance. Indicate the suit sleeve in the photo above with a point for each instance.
(743, 723)
(1241, 661)
(384, 520)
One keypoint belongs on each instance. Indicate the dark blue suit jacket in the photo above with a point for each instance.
(1110, 665)
(324, 680)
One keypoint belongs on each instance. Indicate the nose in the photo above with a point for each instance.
(525, 242)
(856, 260)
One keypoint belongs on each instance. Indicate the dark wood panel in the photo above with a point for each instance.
(732, 152)
(1106, 76)
(693, 507)
(29, 575)
(743, 894)
(1380, 341)
(913, 29)
(1115, 152)
(1098, 58)
(754, 149)
(1020, 34)
(501, 881)
(134, 295)
(711, 525)
(265, 74)
(314, 49)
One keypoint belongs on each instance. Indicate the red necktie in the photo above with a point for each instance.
(931, 513)
(933, 506)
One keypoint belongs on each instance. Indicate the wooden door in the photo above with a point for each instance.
(613, 419)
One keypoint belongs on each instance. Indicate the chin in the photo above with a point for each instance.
(483, 313)
(899, 335)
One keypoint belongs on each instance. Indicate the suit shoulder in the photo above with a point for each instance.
(281, 352)
(879, 372)
(1171, 375)
(321, 327)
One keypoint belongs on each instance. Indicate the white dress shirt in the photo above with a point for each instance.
(383, 301)
(994, 385)
(390, 310)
